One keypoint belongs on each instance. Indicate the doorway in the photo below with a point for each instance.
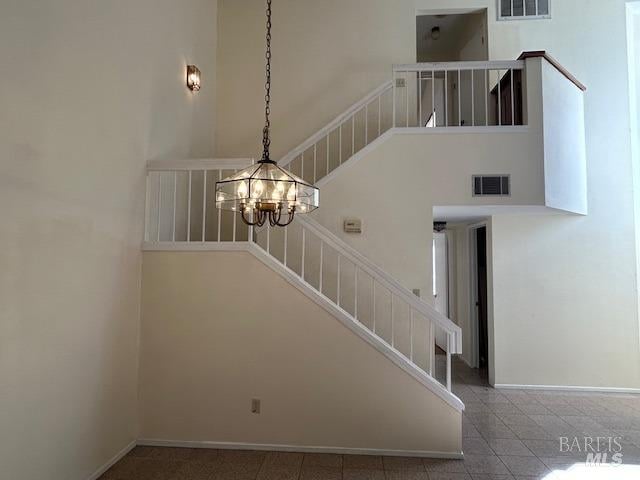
(449, 37)
(479, 299)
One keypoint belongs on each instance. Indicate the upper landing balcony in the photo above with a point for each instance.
(521, 119)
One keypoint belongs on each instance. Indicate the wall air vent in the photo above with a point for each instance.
(491, 185)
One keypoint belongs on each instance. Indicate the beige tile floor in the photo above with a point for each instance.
(507, 435)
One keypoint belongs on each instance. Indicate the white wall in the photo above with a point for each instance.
(204, 357)
(89, 92)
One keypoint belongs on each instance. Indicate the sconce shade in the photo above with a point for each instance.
(193, 78)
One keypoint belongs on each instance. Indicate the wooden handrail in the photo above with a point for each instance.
(555, 63)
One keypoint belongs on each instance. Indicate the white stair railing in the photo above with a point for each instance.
(365, 292)
(343, 137)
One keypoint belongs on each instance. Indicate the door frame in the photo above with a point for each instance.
(474, 356)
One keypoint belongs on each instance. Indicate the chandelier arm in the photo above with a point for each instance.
(247, 221)
(289, 220)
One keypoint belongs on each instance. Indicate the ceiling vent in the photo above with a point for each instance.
(491, 185)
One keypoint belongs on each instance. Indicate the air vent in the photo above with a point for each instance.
(494, 185)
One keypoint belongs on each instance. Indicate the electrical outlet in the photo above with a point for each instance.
(255, 405)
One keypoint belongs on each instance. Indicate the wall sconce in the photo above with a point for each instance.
(193, 78)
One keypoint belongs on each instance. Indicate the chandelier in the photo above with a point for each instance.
(265, 191)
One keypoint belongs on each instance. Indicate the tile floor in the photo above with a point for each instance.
(507, 435)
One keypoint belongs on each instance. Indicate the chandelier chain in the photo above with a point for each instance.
(266, 138)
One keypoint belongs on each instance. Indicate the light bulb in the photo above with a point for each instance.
(291, 194)
(278, 193)
(242, 190)
(258, 190)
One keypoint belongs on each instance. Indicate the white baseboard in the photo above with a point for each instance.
(297, 448)
(115, 459)
(564, 388)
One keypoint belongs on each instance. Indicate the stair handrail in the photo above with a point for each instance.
(385, 279)
(335, 123)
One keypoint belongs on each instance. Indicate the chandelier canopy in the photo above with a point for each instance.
(265, 191)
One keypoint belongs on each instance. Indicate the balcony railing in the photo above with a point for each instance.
(458, 94)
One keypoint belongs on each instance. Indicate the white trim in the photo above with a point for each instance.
(335, 123)
(461, 130)
(199, 164)
(568, 388)
(297, 448)
(454, 66)
(356, 327)
(115, 459)
(194, 246)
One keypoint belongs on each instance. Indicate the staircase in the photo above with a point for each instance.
(353, 289)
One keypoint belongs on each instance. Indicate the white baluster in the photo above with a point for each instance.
(406, 91)
(353, 134)
(411, 333)
(366, 124)
(204, 205)
(189, 210)
(235, 217)
(373, 306)
(432, 351)
(328, 136)
(433, 98)
(486, 97)
(286, 234)
(392, 323)
(175, 193)
(420, 99)
(314, 162)
(499, 100)
(394, 91)
(321, 263)
(449, 361)
(340, 145)
(303, 249)
(459, 100)
(355, 299)
(159, 202)
(513, 94)
(268, 238)
(219, 227)
(473, 100)
(338, 282)
(446, 100)
(379, 113)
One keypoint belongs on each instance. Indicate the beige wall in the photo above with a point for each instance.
(203, 358)
(89, 92)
